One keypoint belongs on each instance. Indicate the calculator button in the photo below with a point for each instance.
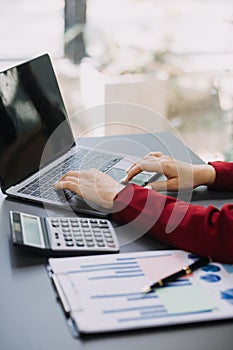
(89, 239)
(68, 239)
(94, 226)
(109, 240)
(78, 239)
(80, 244)
(97, 234)
(67, 236)
(76, 229)
(77, 235)
(74, 224)
(87, 232)
(66, 233)
(55, 224)
(103, 226)
(65, 229)
(73, 220)
(69, 244)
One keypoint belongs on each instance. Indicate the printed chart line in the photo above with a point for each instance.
(158, 315)
(115, 276)
(104, 269)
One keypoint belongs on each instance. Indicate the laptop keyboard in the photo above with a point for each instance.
(42, 187)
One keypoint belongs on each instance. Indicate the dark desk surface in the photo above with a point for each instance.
(31, 318)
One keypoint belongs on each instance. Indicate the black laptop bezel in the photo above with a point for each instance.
(45, 57)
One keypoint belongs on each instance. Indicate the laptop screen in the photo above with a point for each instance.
(32, 115)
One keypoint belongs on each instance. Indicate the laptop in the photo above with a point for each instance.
(37, 145)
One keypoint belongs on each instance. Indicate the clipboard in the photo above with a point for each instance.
(104, 293)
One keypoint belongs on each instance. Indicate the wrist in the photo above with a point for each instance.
(113, 194)
(204, 175)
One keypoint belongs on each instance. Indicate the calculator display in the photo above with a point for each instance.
(31, 231)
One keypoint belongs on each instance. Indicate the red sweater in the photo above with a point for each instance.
(204, 231)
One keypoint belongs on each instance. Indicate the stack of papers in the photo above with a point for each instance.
(104, 293)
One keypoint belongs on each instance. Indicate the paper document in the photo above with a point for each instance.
(104, 293)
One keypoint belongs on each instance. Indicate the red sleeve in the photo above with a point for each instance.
(224, 176)
(204, 231)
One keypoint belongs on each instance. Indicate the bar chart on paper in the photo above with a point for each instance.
(104, 293)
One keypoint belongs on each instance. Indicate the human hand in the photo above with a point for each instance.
(92, 185)
(180, 175)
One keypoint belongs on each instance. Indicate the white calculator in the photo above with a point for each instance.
(63, 236)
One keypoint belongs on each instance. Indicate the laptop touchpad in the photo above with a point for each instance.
(119, 174)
